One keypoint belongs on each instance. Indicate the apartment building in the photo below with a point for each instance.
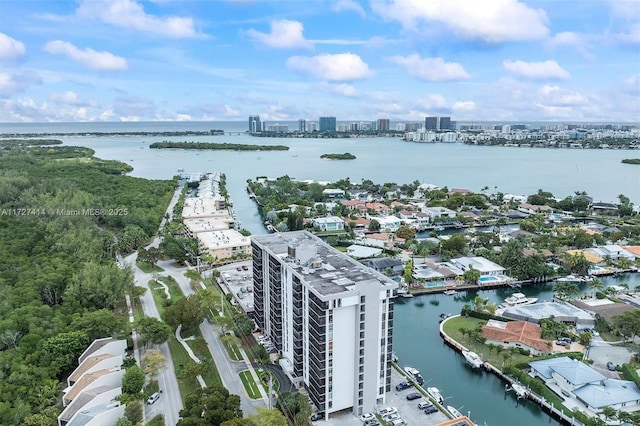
(329, 316)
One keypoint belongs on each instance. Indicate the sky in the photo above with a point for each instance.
(222, 60)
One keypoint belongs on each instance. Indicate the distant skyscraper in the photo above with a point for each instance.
(382, 124)
(327, 124)
(431, 123)
(302, 125)
(254, 124)
(445, 123)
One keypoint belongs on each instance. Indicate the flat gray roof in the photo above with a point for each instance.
(325, 269)
(561, 311)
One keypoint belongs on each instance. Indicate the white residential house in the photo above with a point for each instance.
(481, 264)
(438, 213)
(612, 251)
(329, 223)
(389, 223)
(333, 193)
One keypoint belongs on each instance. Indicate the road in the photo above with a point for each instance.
(170, 403)
(227, 368)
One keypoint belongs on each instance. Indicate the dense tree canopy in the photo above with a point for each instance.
(62, 212)
(210, 406)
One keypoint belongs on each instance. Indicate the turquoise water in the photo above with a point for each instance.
(487, 279)
(435, 284)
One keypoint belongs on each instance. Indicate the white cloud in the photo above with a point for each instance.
(10, 48)
(348, 5)
(87, 57)
(284, 35)
(338, 67)
(492, 21)
(431, 69)
(626, 20)
(555, 96)
(130, 14)
(631, 85)
(14, 83)
(572, 39)
(342, 89)
(231, 112)
(536, 70)
(183, 117)
(71, 98)
(433, 102)
(464, 106)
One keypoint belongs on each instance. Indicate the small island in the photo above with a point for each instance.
(10, 143)
(218, 146)
(345, 156)
(631, 161)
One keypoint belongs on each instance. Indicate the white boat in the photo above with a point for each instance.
(473, 359)
(414, 373)
(519, 299)
(454, 411)
(520, 390)
(450, 292)
(571, 279)
(435, 394)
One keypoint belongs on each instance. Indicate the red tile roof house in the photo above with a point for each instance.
(459, 191)
(379, 208)
(519, 334)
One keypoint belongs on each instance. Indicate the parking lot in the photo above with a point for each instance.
(407, 410)
(237, 278)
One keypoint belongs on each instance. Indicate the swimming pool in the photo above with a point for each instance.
(435, 284)
(487, 279)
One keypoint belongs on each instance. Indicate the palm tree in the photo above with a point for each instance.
(596, 285)
(609, 412)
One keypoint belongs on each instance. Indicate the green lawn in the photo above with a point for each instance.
(452, 328)
(201, 350)
(181, 359)
(148, 267)
(250, 385)
(231, 344)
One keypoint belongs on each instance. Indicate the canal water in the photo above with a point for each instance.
(417, 343)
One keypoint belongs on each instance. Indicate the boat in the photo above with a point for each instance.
(414, 373)
(444, 316)
(519, 390)
(454, 412)
(518, 299)
(450, 292)
(473, 359)
(573, 279)
(406, 295)
(435, 394)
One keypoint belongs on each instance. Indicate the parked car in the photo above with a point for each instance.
(430, 410)
(153, 398)
(562, 343)
(390, 417)
(424, 404)
(611, 366)
(397, 422)
(245, 267)
(372, 422)
(403, 385)
(367, 416)
(387, 410)
(317, 416)
(414, 395)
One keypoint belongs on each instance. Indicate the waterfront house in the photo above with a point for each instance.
(519, 334)
(436, 213)
(612, 251)
(480, 264)
(534, 209)
(560, 311)
(360, 224)
(590, 256)
(329, 223)
(576, 380)
(378, 208)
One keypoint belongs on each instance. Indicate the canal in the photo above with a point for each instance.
(417, 343)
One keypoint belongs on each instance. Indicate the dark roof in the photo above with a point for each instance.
(382, 262)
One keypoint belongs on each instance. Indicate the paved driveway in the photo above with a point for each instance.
(601, 353)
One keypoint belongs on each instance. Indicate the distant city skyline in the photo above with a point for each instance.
(402, 60)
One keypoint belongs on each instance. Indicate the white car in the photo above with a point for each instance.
(387, 410)
(367, 416)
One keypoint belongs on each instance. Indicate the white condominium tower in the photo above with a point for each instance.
(330, 317)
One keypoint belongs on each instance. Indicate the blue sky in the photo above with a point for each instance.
(489, 60)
